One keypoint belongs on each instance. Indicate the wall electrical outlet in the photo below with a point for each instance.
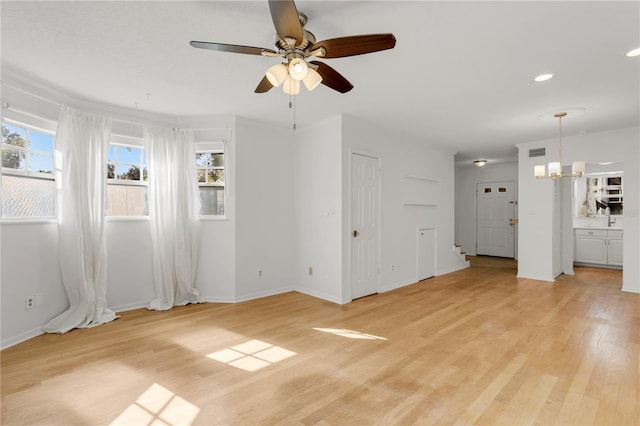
(393, 267)
(260, 273)
(28, 302)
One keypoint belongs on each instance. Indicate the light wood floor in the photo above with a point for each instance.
(478, 346)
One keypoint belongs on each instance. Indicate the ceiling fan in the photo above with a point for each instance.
(296, 44)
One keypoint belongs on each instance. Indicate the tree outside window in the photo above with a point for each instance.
(28, 181)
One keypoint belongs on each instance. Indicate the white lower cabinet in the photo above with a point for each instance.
(598, 246)
(615, 252)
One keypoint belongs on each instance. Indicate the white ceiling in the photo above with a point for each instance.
(460, 75)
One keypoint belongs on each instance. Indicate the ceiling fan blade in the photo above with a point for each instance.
(264, 85)
(356, 45)
(233, 48)
(332, 78)
(285, 19)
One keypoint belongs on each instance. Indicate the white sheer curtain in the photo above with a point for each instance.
(174, 203)
(83, 141)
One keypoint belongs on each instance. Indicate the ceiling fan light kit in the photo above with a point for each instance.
(276, 74)
(298, 69)
(312, 80)
(291, 86)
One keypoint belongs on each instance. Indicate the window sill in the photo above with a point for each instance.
(213, 218)
(25, 221)
(127, 218)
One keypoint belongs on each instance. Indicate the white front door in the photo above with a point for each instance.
(365, 222)
(495, 219)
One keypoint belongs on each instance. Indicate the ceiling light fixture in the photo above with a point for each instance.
(276, 74)
(634, 52)
(543, 77)
(291, 86)
(480, 163)
(298, 69)
(312, 79)
(555, 168)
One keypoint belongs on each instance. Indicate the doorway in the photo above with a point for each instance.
(365, 225)
(495, 219)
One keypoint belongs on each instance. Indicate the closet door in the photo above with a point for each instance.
(426, 253)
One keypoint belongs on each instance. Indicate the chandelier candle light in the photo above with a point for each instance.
(555, 168)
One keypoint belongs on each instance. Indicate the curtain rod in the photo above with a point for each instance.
(7, 105)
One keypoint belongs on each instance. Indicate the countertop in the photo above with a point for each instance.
(600, 228)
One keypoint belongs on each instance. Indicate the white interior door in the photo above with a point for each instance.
(426, 253)
(365, 222)
(495, 219)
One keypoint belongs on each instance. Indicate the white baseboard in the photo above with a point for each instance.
(130, 306)
(320, 295)
(22, 337)
(537, 277)
(219, 299)
(397, 285)
(452, 269)
(259, 295)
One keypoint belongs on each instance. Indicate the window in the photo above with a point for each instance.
(210, 170)
(126, 180)
(28, 178)
(605, 196)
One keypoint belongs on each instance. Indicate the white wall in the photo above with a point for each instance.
(29, 265)
(129, 263)
(401, 156)
(536, 253)
(216, 273)
(264, 210)
(466, 179)
(318, 210)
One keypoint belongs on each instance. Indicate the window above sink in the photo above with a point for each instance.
(598, 196)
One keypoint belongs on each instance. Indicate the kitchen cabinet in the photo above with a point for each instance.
(614, 249)
(598, 246)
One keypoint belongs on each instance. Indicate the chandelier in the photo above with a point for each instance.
(555, 167)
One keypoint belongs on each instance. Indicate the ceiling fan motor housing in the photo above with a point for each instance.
(289, 43)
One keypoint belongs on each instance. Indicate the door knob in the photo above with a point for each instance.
(355, 233)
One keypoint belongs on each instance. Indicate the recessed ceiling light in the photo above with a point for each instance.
(634, 52)
(480, 163)
(543, 77)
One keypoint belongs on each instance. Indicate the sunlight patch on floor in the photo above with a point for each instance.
(252, 355)
(158, 406)
(349, 333)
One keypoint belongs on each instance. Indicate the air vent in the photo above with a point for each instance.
(537, 152)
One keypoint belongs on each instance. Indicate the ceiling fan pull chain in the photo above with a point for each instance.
(292, 105)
